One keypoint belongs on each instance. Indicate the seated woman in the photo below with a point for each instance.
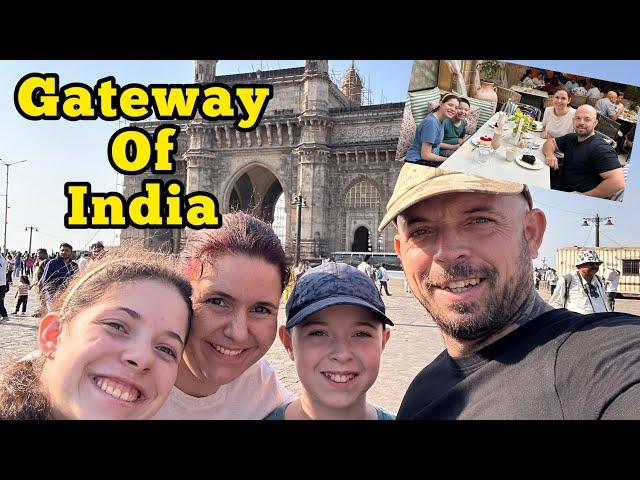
(558, 119)
(111, 348)
(238, 273)
(454, 129)
(580, 90)
(539, 80)
(425, 148)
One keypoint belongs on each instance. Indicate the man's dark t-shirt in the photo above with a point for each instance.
(585, 161)
(560, 365)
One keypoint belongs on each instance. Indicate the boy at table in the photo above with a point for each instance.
(454, 129)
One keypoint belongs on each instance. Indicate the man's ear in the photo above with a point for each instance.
(49, 334)
(534, 226)
(285, 338)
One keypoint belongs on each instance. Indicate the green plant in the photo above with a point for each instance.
(490, 68)
(527, 124)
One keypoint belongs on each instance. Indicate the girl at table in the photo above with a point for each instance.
(454, 129)
(558, 119)
(425, 148)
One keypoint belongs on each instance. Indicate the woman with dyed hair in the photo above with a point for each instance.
(109, 350)
(238, 273)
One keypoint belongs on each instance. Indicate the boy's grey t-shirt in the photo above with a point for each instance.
(278, 413)
(560, 365)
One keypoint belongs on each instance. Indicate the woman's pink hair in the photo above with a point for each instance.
(240, 234)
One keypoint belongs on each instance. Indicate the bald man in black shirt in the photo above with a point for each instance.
(590, 165)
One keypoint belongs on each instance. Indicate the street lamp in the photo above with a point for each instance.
(299, 202)
(596, 220)
(6, 199)
(31, 229)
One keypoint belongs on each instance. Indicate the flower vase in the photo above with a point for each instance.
(486, 92)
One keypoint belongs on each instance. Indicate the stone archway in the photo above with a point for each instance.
(258, 192)
(361, 240)
(361, 216)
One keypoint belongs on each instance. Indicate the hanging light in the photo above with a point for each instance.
(585, 224)
(609, 222)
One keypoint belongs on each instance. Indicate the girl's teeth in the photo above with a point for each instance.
(117, 390)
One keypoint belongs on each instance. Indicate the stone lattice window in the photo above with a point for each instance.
(280, 221)
(363, 194)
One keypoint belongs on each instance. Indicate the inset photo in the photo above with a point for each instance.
(520, 123)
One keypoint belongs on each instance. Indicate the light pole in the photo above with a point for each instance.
(6, 200)
(597, 219)
(298, 202)
(31, 229)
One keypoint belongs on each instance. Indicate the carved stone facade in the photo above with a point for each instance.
(311, 141)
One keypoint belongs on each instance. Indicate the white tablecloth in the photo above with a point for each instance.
(465, 159)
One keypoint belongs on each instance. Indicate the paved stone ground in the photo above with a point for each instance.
(414, 342)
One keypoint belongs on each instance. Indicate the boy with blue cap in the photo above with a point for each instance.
(335, 333)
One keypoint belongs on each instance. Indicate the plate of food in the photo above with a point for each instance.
(482, 140)
(529, 162)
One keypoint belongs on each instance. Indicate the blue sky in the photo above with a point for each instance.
(59, 151)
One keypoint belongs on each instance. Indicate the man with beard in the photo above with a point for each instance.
(590, 165)
(466, 244)
(583, 290)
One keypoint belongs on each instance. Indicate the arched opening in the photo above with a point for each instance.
(362, 205)
(259, 193)
(361, 240)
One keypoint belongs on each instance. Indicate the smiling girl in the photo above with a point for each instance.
(109, 350)
(425, 148)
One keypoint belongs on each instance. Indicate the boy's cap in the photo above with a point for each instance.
(419, 182)
(331, 284)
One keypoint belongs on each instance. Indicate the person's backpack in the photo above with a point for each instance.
(379, 274)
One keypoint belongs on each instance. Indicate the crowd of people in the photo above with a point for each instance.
(140, 335)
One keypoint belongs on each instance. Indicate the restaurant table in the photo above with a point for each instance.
(626, 122)
(531, 96)
(465, 159)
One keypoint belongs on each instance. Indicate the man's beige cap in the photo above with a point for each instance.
(419, 182)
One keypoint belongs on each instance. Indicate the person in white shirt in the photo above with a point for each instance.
(620, 106)
(539, 80)
(238, 273)
(582, 291)
(611, 281)
(593, 91)
(365, 267)
(552, 280)
(580, 90)
(571, 85)
(558, 119)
